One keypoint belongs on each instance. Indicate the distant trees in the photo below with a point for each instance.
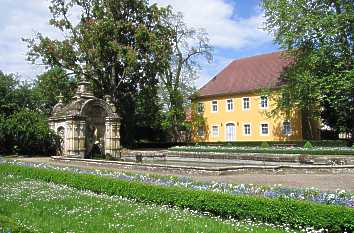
(319, 35)
(23, 121)
(189, 46)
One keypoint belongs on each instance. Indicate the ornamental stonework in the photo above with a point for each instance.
(87, 125)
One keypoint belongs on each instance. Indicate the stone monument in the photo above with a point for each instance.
(87, 124)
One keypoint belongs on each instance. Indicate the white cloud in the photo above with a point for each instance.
(225, 28)
(227, 31)
(21, 19)
(217, 17)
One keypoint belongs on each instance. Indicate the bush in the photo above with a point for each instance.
(308, 145)
(353, 145)
(26, 132)
(265, 145)
(276, 210)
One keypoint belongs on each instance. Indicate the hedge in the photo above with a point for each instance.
(277, 211)
(313, 151)
(316, 143)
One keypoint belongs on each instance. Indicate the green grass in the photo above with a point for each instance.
(38, 206)
(271, 150)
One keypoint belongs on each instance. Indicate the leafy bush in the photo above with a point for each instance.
(26, 132)
(353, 145)
(308, 145)
(265, 145)
(279, 210)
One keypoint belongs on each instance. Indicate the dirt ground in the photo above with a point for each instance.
(323, 181)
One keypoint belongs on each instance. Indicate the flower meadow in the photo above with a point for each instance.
(38, 206)
(339, 197)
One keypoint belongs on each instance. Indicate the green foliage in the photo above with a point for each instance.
(49, 85)
(263, 150)
(265, 145)
(43, 206)
(123, 44)
(9, 225)
(318, 35)
(27, 132)
(308, 145)
(317, 143)
(353, 145)
(279, 210)
(15, 95)
(189, 46)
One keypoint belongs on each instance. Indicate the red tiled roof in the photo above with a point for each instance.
(247, 74)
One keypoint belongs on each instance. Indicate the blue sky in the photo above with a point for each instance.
(234, 28)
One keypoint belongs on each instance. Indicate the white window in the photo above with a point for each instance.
(247, 129)
(246, 103)
(286, 128)
(264, 129)
(264, 102)
(214, 106)
(200, 107)
(215, 130)
(229, 105)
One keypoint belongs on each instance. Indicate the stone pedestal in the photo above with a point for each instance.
(75, 137)
(112, 137)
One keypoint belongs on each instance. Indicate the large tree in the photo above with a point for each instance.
(319, 36)
(189, 45)
(120, 46)
(49, 85)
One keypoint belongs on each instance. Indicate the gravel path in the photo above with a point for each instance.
(323, 181)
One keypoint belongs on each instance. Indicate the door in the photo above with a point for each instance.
(230, 132)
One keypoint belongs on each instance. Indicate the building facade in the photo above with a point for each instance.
(235, 107)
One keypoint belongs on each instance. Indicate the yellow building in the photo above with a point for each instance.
(234, 108)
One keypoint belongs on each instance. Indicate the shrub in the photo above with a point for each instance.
(26, 132)
(353, 145)
(308, 145)
(265, 145)
(276, 210)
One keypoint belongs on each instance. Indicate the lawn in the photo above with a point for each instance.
(269, 150)
(38, 206)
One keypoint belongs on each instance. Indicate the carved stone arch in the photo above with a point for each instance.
(97, 102)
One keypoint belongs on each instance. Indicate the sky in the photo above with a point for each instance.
(234, 29)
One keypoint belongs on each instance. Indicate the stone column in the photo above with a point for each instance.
(76, 136)
(112, 137)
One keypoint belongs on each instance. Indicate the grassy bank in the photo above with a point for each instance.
(271, 150)
(275, 211)
(38, 206)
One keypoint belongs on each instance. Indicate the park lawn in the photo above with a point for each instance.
(46, 207)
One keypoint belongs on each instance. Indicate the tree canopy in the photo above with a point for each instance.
(120, 46)
(319, 36)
